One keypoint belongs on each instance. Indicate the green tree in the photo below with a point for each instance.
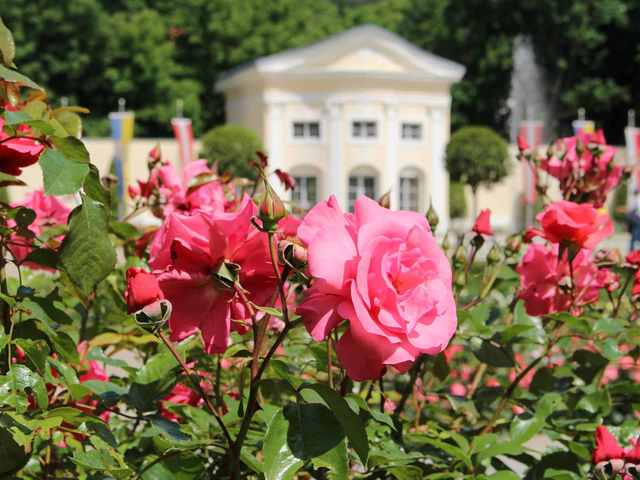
(477, 156)
(232, 147)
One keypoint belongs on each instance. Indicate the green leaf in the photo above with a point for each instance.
(336, 461)
(93, 187)
(22, 379)
(491, 353)
(44, 257)
(61, 174)
(87, 254)
(589, 364)
(12, 456)
(524, 430)
(7, 45)
(351, 423)
(274, 312)
(503, 475)
(158, 366)
(279, 462)
(298, 433)
(124, 230)
(36, 351)
(12, 76)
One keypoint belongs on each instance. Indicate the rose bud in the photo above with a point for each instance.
(482, 226)
(513, 244)
(385, 200)
(272, 210)
(494, 256)
(432, 218)
(142, 289)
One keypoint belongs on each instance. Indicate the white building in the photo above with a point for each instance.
(361, 112)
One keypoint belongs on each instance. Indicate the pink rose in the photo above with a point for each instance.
(607, 447)
(482, 226)
(545, 280)
(195, 190)
(187, 253)
(580, 225)
(584, 166)
(49, 212)
(384, 273)
(142, 289)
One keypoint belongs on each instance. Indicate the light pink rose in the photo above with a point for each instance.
(186, 254)
(545, 280)
(384, 273)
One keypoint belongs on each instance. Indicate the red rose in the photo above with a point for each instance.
(522, 143)
(483, 223)
(607, 447)
(17, 153)
(142, 289)
(633, 258)
(571, 223)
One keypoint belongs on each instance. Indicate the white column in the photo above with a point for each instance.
(335, 181)
(390, 178)
(274, 118)
(437, 174)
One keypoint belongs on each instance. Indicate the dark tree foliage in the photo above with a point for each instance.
(154, 51)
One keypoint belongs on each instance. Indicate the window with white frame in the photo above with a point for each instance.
(364, 129)
(411, 131)
(305, 194)
(361, 185)
(409, 192)
(307, 130)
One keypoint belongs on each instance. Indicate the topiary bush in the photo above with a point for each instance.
(477, 156)
(233, 147)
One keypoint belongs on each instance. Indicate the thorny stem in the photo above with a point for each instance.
(621, 294)
(196, 385)
(252, 403)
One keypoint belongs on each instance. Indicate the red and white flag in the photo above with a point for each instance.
(183, 132)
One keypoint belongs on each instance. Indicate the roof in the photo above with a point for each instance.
(301, 61)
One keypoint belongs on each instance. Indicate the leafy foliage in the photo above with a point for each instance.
(232, 148)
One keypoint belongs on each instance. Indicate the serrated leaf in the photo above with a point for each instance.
(61, 175)
(7, 45)
(87, 254)
(352, 424)
(12, 76)
(93, 187)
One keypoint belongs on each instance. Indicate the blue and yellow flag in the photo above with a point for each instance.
(122, 134)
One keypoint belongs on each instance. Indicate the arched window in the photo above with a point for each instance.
(410, 191)
(305, 195)
(308, 183)
(362, 181)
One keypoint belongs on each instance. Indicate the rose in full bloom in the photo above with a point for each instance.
(633, 258)
(384, 273)
(186, 255)
(482, 226)
(17, 153)
(545, 280)
(578, 225)
(584, 166)
(143, 289)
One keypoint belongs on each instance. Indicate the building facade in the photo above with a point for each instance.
(361, 112)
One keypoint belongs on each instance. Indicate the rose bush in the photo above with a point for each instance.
(235, 340)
